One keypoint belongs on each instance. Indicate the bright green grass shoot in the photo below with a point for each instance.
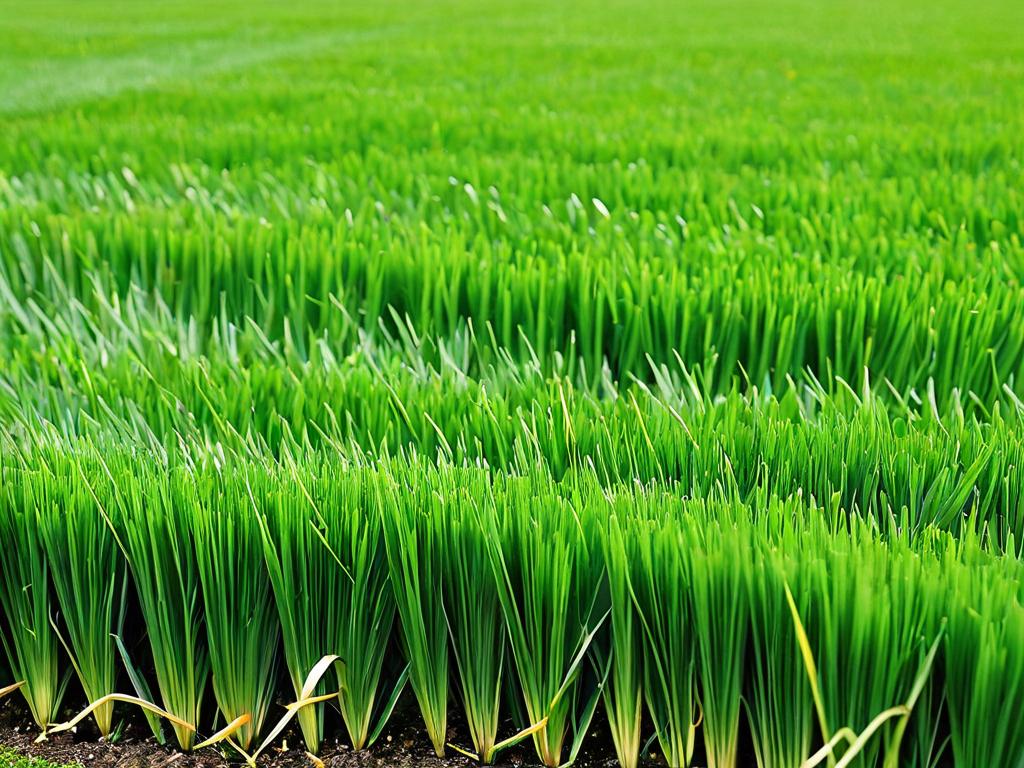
(11, 759)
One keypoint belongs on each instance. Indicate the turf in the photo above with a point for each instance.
(488, 344)
(877, 229)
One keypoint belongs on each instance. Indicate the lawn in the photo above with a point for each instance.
(582, 381)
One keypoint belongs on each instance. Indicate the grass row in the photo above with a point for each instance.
(586, 203)
(584, 367)
(506, 593)
(132, 376)
(629, 292)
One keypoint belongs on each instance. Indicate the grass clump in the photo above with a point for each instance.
(28, 639)
(89, 577)
(241, 619)
(549, 573)
(326, 555)
(150, 513)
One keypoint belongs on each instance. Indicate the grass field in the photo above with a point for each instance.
(632, 368)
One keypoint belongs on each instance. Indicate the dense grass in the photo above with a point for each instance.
(877, 230)
(871, 603)
(590, 366)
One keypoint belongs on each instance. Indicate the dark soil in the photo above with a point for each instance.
(403, 745)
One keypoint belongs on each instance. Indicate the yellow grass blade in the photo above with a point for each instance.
(318, 671)
(512, 740)
(465, 752)
(295, 706)
(843, 734)
(866, 734)
(226, 732)
(308, 687)
(142, 703)
(812, 669)
(7, 690)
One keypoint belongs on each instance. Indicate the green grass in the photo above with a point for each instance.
(11, 759)
(836, 228)
(602, 366)
(560, 558)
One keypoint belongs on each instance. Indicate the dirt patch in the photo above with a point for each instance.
(404, 745)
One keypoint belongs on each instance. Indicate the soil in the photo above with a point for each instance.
(403, 745)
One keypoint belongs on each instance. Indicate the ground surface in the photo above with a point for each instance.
(402, 747)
